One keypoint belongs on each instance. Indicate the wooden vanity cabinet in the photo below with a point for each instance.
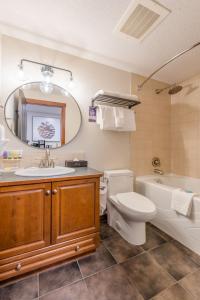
(43, 223)
(24, 218)
(75, 212)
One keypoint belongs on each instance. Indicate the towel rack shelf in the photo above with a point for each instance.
(113, 100)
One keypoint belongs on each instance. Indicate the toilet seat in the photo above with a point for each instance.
(135, 202)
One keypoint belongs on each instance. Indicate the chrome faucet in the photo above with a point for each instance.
(158, 171)
(47, 162)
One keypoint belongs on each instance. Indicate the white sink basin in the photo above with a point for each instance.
(38, 172)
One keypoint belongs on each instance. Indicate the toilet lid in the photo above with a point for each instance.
(135, 202)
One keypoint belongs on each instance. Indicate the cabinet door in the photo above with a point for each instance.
(75, 209)
(24, 218)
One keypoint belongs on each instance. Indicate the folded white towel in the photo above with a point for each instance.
(119, 117)
(129, 123)
(106, 117)
(115, 118)
(117, 95)
(182, 202)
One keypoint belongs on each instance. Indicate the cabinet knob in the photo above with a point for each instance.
(54, 192)
(48, 192)
(18, 267)
(77, 248)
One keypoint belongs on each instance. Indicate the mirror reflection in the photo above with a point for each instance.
(42, 120)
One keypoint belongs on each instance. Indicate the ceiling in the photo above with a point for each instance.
(86, 28)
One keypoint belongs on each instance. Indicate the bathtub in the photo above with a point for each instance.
(159, 189)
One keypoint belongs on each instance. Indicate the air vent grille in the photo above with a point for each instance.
(139, 21)
(140, 18)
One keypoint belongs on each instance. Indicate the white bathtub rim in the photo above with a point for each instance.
(148, 179)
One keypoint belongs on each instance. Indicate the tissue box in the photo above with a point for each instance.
(76, 163)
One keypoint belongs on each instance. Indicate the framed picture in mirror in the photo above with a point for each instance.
(46, 128)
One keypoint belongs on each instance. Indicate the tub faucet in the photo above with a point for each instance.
(158, 171)
(47, 162)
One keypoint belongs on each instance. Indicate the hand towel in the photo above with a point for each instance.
(115, 118)
(106, 117)
(182, 202)
(129, 120)
(119, 117)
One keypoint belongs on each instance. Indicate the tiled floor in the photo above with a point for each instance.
(162, 269)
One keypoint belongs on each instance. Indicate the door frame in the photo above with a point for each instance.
(53, 104)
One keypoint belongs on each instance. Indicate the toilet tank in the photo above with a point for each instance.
(119, 181)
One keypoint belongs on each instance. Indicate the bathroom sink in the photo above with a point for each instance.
(38, 172)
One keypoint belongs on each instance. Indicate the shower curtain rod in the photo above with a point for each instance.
(140, 86)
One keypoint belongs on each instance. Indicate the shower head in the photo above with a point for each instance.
(174, 90)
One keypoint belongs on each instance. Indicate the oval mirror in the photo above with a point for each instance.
(41, 119)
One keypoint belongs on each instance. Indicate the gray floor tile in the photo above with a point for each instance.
(75, 291)
(140, 275)
(95, 262)
(192, 283)
(25, 289)
(120, 249)
(174, 260)
(153, 239)
(175, 292)
(148, 276)
(58, 277)
(112, 284)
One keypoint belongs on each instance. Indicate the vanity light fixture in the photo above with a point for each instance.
(47, 73)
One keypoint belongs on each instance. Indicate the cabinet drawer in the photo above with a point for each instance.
(21, 266)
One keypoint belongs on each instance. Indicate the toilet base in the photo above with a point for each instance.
(132, 232)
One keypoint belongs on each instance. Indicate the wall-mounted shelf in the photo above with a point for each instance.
(113, 99)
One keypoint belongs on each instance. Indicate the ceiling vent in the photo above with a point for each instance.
(141, 17)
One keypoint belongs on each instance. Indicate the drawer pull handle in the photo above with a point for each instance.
(54, 192)
(18, 267)
(48, 192)
(77, 248)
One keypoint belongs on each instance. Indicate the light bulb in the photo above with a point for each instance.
(46, 88)
(47, 73)
(71, 84)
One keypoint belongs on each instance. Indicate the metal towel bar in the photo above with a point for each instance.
(114, 100)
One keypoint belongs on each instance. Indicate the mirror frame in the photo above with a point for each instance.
(39, 82)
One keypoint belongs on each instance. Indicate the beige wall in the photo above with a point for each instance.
(152, 137)
(185, 129)
(104, 150)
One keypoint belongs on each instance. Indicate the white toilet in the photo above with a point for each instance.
(127, 211)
